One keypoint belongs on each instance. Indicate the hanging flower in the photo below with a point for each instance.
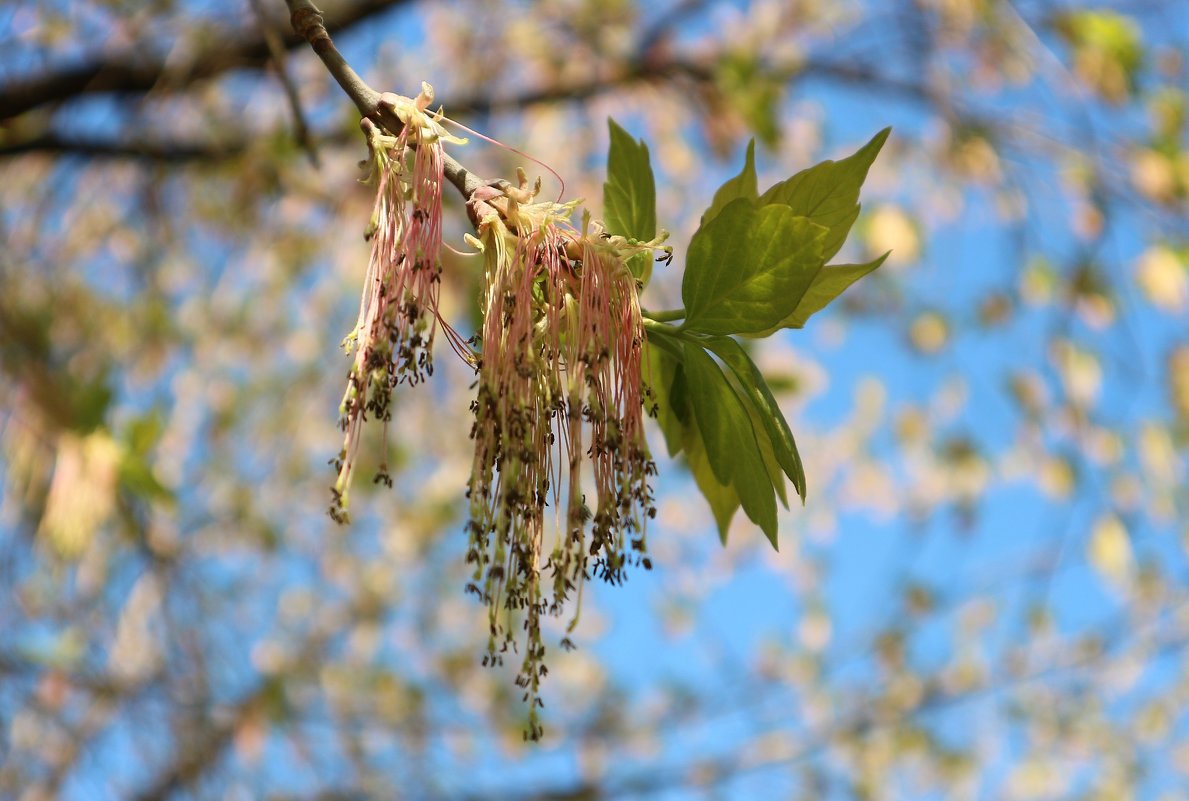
(398, 312)
(559, 383)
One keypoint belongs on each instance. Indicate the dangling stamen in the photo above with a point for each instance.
(398, 310)
(559, 382)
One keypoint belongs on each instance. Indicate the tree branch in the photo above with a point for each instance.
(656, 71)
(308, 24)
(134, 72)
(134, 150)
(198, 755)
(276, 51)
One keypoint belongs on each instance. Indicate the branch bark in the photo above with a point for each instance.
(276, 50)
(133, 72)
(669, 70)
(308, 24)
(142, 150)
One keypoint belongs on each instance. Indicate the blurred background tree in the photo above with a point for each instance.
(985, 597)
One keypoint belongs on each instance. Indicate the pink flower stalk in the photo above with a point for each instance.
(398, 311)
(559, 383)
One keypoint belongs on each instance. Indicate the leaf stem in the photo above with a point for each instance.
(664, 316)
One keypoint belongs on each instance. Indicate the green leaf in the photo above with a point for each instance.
(662, 370)
(755, 390)
(828, 284)
(828, 193)
(730, 441)
(748, 268)
(665, 376)
(1110, 39)
(629, 195)
(140, 437)
(722, 498)
(767, 451)
(831, 282)
(142, 433)
(742, 185)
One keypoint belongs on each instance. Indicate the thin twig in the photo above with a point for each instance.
(276, 50)
(308, 24)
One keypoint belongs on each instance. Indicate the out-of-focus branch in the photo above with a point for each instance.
(15, 664)
(276, 51)
(667, 21)
(215, 733)
(701, 70)
(132, 150)
(135, 72)
(643, 72)
(196, 757)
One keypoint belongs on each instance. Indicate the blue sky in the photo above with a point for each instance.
(707, 617)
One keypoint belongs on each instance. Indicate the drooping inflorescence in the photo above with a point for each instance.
(398, 311)
(559, 385)
(559, 381)
(562, 355)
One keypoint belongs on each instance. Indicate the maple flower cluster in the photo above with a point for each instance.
(559, 384)
(559, 380)
(398, 311)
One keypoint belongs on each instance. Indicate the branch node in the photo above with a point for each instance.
(308, 24)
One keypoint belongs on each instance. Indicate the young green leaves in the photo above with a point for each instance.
(736, 442)
(828, 194)
(756, 264)
(747, 268)
(629, 196)
(729, 437)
